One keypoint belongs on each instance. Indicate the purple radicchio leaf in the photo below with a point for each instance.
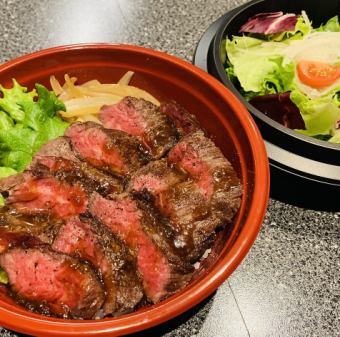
(270, 23)
(280, 108)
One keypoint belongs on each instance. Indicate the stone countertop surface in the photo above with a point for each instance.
(288, 285)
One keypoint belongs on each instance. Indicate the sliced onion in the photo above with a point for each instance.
(126, 78)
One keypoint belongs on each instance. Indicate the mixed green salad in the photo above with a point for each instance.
(28, 119)
(289, 55)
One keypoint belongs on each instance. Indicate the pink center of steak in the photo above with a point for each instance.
(186, 157)
(124, 117)
(48, 194)
(40, 277)
(154, 267)
(93, 145)
(55, 164)
(149, 182)
(123, 218)
(77, 237)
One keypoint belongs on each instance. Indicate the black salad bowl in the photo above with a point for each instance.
(304, 171)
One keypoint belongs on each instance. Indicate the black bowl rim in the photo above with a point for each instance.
(216, 44)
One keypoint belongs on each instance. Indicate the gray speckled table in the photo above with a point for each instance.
(289, 283)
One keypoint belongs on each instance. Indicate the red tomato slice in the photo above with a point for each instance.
(317, 74)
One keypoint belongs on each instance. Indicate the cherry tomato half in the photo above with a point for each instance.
(317, 74)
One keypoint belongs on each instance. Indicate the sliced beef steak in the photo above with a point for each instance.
(110, 150)
(124, 218)
(58, 147)
(16, 228)
(204, 162)
(10, 182)
(154, 178)
(198, 207)
(129, 287)
(73, 172)
(197, 190)
(52, 283)
(184, 121)
(47, 194)
(190, 216)
(86, 240)
(142, 119)
(99, 224)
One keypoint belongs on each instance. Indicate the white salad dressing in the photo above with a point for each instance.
(317, 46)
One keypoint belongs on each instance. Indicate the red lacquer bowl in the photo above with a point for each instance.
(223, 117)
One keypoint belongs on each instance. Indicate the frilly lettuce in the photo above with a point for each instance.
(258, 66)
(27, 120)
(13, 100)
(332, 25)
(319, 114)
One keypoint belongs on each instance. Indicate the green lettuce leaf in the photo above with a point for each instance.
(13, 100)
(53, 128)
(17, 139)
(27, 120)
(3, 277)
(18, 145)
(320, 114)
(259, 66)
(5, 172)
(334, 94)
(48, 101)
(37, 113)
(5, 121)
(335, 138)
(332, 25)
(18, 160)
(302, 28)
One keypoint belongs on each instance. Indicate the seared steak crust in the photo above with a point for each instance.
(185, 122)
(155, 177)
(59, 147)
(72, 172)
(18, 226)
